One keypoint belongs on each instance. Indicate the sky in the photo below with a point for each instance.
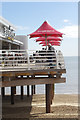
(28, 16)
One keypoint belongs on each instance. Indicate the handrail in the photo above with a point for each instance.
(30, 59)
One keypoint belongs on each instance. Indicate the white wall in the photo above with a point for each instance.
(24, 39)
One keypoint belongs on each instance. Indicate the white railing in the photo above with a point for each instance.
(60, 60)
(28, 59)
(12, 58)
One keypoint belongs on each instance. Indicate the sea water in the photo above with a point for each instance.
(71, 85)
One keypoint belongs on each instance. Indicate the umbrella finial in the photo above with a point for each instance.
(46, 21)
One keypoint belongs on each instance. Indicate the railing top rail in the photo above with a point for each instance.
(13, 50)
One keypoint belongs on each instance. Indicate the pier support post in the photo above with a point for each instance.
(53, 87)
(28, 88)
(33, 86)
(48, 98)
(21, 92)
(34, 92)
(15, 90)
(52, 90)
(21, 89)
(12, 95)
(3, 89)
(15, 86)
(32, 89)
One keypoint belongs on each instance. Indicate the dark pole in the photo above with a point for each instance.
(15, 90)
(3, 89)
(28, 88)
(21, 90)
(48, 98)
(33, 86)
(51, 92)
(32, 89)
(51, 89)
(12, 95)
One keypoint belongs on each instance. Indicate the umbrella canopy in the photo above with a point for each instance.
(48, 39)
(54, 42)
(46, 30)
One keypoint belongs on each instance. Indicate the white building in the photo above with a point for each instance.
(7, 35)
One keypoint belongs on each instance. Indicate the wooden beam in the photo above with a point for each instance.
(31, 72)
(36, 81)
(7, 74)
(23, 74)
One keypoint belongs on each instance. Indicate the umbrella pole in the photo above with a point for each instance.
(46, 41)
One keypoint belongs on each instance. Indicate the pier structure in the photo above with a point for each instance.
(37, 69)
